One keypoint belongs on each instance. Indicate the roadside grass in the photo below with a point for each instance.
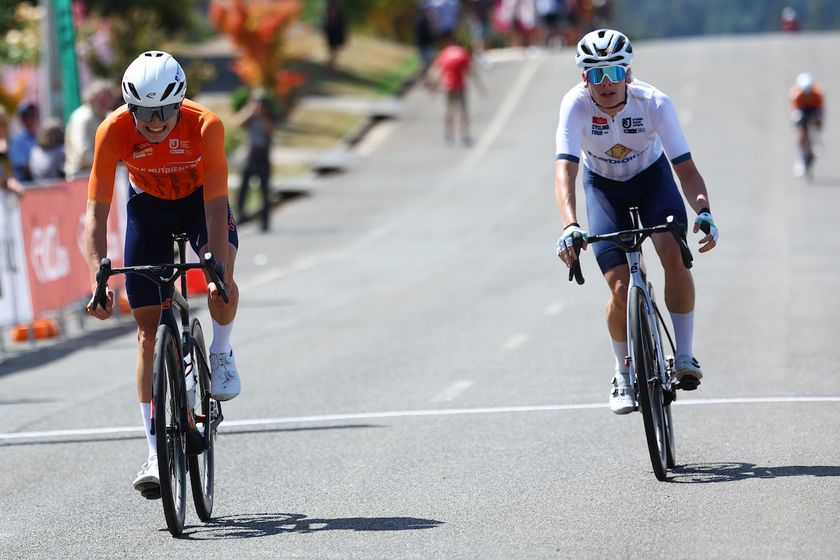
(367, 67)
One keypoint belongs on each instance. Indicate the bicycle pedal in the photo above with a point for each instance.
(151, 493)
(688, 383)
(195, 442)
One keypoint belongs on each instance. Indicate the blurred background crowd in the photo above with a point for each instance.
(61, 60)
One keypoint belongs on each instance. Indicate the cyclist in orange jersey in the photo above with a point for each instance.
(173, 149)
(807, 103)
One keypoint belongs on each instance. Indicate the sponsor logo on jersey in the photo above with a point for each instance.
(618, 151)
(633, 125)
(178, 146)
(600, 126)
(141, 150)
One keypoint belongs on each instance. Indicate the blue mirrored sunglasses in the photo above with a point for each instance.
(613, 73)
(146, 114)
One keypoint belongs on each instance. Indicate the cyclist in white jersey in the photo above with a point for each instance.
(628, 136)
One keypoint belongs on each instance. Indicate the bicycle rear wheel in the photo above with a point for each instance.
(168, 401)
(202, 469)
(648, 382)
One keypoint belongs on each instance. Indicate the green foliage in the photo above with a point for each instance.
(392, 19)
(7, 14)
(171, 16)
(20, 35)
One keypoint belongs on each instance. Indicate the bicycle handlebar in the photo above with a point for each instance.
(631, 240)
(155, 272)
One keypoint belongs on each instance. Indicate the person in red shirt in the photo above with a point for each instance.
(807, 103)
(453, 66)
(174, 151)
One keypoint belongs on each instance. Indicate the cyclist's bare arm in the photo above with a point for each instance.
(96, 248)
(696, 194)
(565, 173)
(216, 215)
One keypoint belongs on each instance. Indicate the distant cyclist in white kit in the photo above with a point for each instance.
(628, 136)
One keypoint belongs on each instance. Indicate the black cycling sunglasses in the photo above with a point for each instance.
(146, 114)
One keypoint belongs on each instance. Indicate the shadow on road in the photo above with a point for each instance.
(733, 472)
(825, 181)
(268, 524)
(43, 355)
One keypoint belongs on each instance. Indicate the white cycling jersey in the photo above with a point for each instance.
(622, 146)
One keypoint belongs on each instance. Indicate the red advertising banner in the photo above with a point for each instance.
(52, 219)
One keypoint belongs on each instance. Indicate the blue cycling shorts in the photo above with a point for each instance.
(653, 191)
(150, 225)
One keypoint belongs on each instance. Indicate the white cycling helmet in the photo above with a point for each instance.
(603, 47)
(805, 82)
(154, 78)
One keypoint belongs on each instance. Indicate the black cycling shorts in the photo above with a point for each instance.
(150, 224)
(653, 191)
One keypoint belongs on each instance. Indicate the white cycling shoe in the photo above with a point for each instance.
(147, 481)
(224, 379)
(621, 394)
(688, 372)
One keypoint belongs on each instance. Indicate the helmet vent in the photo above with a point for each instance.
(167, 91)
(131, 90)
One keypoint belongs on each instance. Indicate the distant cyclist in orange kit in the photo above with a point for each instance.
(807, 104)
(173, 149)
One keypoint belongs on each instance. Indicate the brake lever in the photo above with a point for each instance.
(211, 266)
(100, 298)
(678, 232)
(574, 270)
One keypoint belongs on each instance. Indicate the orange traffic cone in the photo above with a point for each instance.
(20, 333)
(196, 282)
(45, 328)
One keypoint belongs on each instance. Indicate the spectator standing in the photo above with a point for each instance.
(424, 37)
(6, 179)
(20, 147)
(445, 16)
(335, 30)
(452, 66)
(480, 14)
(46, 161)
(79, 137)
(257, 120)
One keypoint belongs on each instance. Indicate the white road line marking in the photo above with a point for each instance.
(554, 308)
(411, 414)
(497, 125)
(453, 391)
(515, 342)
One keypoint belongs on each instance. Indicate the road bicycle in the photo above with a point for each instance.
(651, 371)
(184, 431)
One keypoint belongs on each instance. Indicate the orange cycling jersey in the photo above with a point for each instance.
(807, 101)
(192, 156)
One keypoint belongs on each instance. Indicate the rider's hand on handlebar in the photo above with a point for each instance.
(96, 310)
(705, 222)
(566, 243)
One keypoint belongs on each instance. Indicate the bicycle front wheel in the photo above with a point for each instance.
(207, 414)
(168, 401)
(648, 382)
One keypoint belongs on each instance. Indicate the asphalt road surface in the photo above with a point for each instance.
(421, 381)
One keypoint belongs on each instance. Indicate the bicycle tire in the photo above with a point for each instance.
(648, 383)
(168, 402)
(202, 467)
(668, 398)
